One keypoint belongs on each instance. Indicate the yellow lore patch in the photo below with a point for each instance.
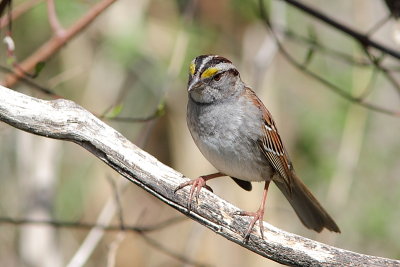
(192, 69)
(209, 72)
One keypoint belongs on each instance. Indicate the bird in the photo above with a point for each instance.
(237, 134)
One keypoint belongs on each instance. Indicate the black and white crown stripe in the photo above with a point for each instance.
(202, 63)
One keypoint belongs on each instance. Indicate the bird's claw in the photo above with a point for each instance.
(196, 186)
(257, 216)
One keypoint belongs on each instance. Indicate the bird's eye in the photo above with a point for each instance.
(217, 77)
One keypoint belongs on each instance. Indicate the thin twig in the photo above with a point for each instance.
(117, 202)
(158, 113)
(369, 87)
(153, 116)
(386, 72)
(320, 79)
(88, 226)
(31, 83)
(379, 24)
(141, 230)
(363, 39)
(335, 54)
(52, 46)
(173, 254)
(18, 11)
(53, 19)
(113, 249)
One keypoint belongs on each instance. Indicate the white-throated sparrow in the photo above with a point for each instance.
(236, 133)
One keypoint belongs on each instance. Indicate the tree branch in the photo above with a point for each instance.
(55, 24)
(140, 230)
(89, 226)
(363, 39)
(17, 12)
(65, 120)
(355, 99)
(56, 42)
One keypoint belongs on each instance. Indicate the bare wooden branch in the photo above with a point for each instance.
(65, 120)
(55, 43)
(53, 19)
(359, 100)
(363, 39)
(18, 11)
(89, 226)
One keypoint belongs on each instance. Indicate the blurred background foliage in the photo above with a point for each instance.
(132, 61)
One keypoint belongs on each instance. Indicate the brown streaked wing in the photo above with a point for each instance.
(271, 144)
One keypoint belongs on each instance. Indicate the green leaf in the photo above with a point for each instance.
(38, 68)
(114, 112)
(160, 110)
(10, 61)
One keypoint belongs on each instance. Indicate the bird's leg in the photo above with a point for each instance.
(258, 215)
(196, 186)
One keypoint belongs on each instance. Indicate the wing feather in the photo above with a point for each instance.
(271, 144)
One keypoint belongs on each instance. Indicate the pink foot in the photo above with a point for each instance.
(257, 216)
(196, 186)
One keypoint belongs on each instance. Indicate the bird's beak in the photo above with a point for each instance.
(195, 84)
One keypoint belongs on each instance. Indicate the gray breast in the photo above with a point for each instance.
(227, 134)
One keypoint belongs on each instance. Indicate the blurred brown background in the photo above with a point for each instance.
(135, 57)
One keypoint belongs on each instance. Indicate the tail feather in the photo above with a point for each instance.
(306, 206)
